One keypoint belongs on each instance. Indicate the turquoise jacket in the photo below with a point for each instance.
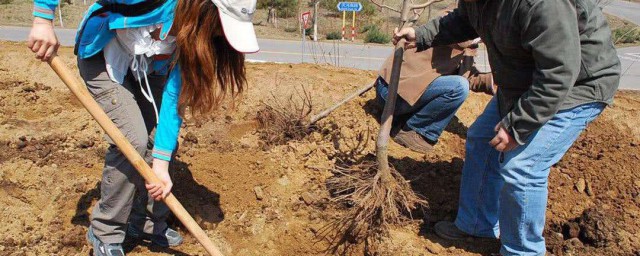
(98, 32)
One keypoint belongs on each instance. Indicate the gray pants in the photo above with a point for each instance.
(123, 197)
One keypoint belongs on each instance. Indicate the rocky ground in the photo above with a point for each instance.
(259, 199)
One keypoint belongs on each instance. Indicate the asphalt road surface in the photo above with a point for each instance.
(343, 54)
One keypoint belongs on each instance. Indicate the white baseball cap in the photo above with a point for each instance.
(236, 16)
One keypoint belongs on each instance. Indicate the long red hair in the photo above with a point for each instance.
(210, 67)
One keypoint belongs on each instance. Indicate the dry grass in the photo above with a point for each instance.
(283, 120)
(622, 30)
(377, 200)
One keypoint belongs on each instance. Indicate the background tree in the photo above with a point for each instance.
(278, 8)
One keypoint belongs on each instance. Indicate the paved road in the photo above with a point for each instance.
(624, 9)
(368, 57)
(630, 58)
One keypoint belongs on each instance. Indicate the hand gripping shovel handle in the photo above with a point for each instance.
(129, 151)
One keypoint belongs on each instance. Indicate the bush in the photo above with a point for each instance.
(334, 35)
(626, 35)
(6, 1)
(374, 35)
(286, 8)
(290, 30)
(367, 28)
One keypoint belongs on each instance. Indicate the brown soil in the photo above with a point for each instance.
(255, 200)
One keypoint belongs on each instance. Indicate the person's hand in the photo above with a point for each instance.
(408, 34)
(42, 39)
(503, 141)
(160, 191)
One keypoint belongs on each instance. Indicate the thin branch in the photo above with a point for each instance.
(384, 6)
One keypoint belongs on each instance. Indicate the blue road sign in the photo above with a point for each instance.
(349, 6)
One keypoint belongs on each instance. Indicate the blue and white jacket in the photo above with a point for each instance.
(100, 30)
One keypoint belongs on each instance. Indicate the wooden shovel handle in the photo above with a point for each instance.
(81, 92)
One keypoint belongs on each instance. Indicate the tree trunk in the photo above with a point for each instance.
(275, 17)
(271, 15)
(315, 20)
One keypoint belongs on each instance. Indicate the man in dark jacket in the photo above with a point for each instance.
(556, 70)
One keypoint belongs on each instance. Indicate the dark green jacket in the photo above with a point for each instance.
(546, 55)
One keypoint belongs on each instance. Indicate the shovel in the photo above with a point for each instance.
(129, 151)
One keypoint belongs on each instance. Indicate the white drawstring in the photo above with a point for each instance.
(136, 66)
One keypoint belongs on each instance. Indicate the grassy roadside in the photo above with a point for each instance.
(624, 33)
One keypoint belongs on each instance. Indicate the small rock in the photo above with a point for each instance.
(589, 189)
(21, 144)
(86, 144)
(308, 198)
(581, 185)
(54, 166)
(1, 248)
(28, 88)
(259, 193)
(23, 138)
(434, 247)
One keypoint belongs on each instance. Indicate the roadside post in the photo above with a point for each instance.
(345, 7)
(305, 24)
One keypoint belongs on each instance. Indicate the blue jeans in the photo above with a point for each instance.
(433, 110)
(508, 198)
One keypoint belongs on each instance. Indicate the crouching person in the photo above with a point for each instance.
(433, 85)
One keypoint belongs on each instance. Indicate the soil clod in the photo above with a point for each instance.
(259, 193)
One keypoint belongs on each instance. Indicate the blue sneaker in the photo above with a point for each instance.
(169, 237)
(102, 249)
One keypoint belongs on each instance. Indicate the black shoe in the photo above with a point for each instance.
(449, 231)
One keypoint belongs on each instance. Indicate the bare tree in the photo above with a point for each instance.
(380, 196)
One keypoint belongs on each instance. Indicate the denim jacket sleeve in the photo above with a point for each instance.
(45, 8)
(451, 28)
(169, 121)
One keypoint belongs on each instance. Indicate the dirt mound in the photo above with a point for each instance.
(256, 200)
